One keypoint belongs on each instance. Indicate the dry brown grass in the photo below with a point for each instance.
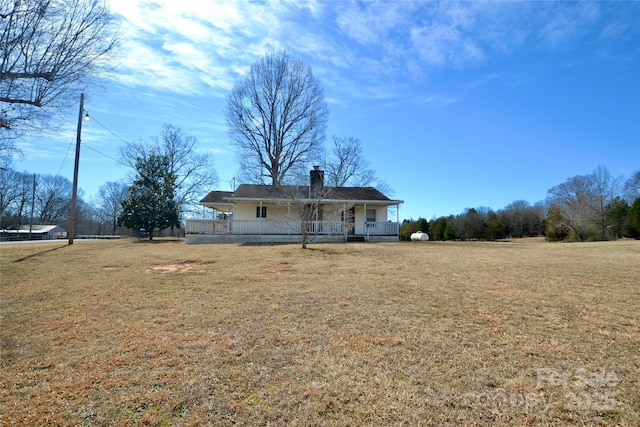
(140, 333)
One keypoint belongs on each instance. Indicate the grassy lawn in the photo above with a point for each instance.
(160, 333)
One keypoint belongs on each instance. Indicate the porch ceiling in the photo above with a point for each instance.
(222, 207)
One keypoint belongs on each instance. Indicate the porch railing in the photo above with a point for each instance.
(382, 228)
(232, 226)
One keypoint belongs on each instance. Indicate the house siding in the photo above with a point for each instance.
(361, 217)
(330, 212)
(247, 211)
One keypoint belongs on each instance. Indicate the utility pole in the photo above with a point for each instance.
(74, 196)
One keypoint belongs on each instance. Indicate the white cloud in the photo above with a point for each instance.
(442, 45)
(357, 24)
(360, 49)
(194, 46)
(565, 23)
(433, 101)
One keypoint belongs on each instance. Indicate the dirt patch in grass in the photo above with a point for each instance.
(128, 333)
(181, 267)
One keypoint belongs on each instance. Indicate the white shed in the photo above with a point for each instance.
(37, 232)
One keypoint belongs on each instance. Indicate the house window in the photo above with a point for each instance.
(261, 211)
(371, 215)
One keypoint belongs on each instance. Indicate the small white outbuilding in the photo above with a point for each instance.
(34, 232)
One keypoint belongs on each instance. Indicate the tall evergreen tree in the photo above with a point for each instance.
(633, 226)
(617, 216)
(151, 203)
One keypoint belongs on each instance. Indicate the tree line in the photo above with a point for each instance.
(31, 198)
(169, 177)
(595, 206)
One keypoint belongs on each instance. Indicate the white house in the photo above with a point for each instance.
(264, 213)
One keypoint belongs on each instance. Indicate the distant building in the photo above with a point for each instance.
(35, 232)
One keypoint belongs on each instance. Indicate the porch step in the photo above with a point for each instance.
(355, 238)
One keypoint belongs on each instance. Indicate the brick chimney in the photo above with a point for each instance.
(316, 182)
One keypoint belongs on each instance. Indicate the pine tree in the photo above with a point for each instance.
(633, 227)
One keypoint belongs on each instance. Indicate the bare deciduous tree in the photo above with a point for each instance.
(583, 201)
(9, 179)
(277, 118)
(53, 199)
(632, 187)
(50, 50)
(8, 148)
(110, 197)
(604, 188)
(313, 215)
(573, 200)
(194, 170)
(514, 217)
(347, 164)
(308, 208)
(23, 196)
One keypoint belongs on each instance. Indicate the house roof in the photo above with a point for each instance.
(251, 192)
(36, 228)
(216, 197)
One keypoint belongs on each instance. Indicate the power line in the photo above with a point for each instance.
(112, 133)
(105, 155)
(65, 157)
(109, 130)
(64, 160)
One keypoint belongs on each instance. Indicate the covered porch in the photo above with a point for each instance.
(287, 230)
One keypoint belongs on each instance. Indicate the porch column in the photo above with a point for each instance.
(344, 221)
(366, 228)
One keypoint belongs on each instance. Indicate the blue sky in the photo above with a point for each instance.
(457, 104)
